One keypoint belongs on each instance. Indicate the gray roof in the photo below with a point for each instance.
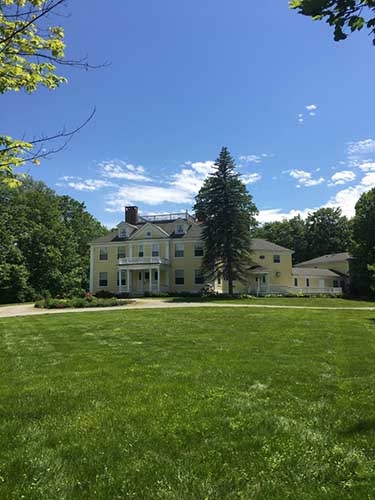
(260, 244)
(193, 232)
(327, 259)
(312, 271)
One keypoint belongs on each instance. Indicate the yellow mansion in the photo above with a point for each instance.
(163, 253)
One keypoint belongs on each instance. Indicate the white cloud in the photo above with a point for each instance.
(276, 214)
(149, 195)
(251, 178)
(342, 177)
(300, 118)
(117, 169)
(360, 151)
(252, 158)
(88, 184)
(311, 107)
(367, 166)
(191, 179)
(347, 198)
(305, 178)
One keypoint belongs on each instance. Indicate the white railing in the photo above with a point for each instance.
(142, 260)
(146, 289)
(165, 217)
(275, 289)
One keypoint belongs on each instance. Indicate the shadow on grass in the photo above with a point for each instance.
(360, 427)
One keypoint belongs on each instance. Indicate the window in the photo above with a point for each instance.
(198, 250)
(179, 250)
(262, 257)
(179, 277)
(123, 233)
(103, 279)
(103, 253)
(155, 276)
(276, 259)
(123, 279)
(180, 229)
(219, 279)
(148, 234)
(295, 281)
(121, 254)
(198, 277)
(155, 249)
(307, 282)
(264, 279)
(140, 251)
(335, 284)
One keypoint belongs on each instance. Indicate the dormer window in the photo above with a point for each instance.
(123, 233)
(180, 229)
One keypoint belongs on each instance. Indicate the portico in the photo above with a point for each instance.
(140, 279)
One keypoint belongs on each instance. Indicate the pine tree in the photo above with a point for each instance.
(227, 213)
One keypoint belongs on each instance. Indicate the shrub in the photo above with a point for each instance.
(104, 294)
(80, 302)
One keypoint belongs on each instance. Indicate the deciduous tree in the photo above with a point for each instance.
(343, 15)
(364, 243)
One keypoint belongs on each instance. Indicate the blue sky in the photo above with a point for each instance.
(295, 108)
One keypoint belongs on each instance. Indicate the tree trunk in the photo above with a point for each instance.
(230, 287)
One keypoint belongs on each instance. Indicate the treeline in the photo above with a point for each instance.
(43, 242)
(323, 232)
(327, 231)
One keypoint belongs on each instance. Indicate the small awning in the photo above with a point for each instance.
(258, 270)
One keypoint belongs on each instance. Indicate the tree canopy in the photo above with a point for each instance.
(323, 232)
(227, 212)
(345, 16)
(43, 242)
(30, 50)
(364, 243)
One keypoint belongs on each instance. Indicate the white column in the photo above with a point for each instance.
(119, 281)
(128, 275)
(150, 280)
(167, 250)
(91, 269)
(130, 251)
(159, 279)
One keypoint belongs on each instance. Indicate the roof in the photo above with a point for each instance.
(326, 259)
(260, 244)
(193, 232)
(311, 271)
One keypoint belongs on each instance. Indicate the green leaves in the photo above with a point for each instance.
(28, 58)
(351, 14)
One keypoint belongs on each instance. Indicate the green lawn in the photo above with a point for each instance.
(282, 301)
(188, 404)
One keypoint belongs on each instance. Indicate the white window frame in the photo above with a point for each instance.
(157, 251)
(99, 279)
(175, 250)
(118, 252)
(198, 246)
(198, 271)
(123, 275)
(123, 232)
(182, 271)
(276, 258)
(141, 250)
(180, 229)
(100, 253)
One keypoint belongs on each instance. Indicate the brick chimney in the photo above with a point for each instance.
(131, 215)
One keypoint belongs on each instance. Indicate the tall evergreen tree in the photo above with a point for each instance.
(227, 213)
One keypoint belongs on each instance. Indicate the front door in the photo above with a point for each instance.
(143, 281)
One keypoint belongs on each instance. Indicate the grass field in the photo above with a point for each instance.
(188, 404)
(282, 301)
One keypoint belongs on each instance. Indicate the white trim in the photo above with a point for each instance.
(148, 225)
(91, 269)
